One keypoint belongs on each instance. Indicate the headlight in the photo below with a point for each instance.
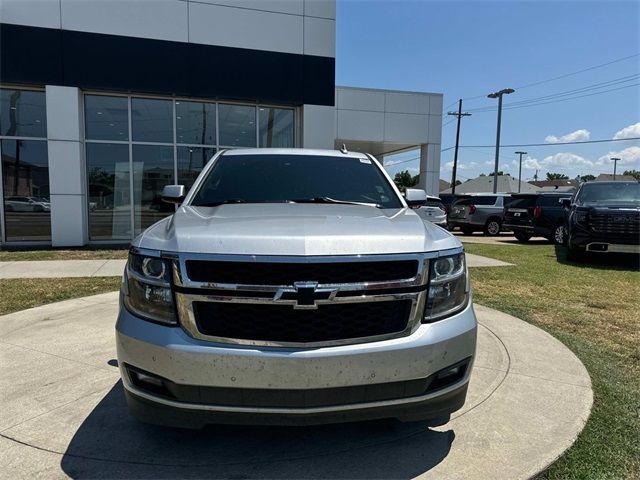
(448, 287)
(146, 289)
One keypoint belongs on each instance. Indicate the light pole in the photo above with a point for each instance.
(459, 114)
(615, 166)
(520, 170)
(498, 95)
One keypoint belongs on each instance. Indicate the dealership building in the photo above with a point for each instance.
(104, 102)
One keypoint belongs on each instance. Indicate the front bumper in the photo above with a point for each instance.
(588, 241)
(172, 354)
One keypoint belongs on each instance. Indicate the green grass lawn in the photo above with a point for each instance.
(595, 311)
(55, 254)
(22, 293)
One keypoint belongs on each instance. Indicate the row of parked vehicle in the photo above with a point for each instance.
(598, 216)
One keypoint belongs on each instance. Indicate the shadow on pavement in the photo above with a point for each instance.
(605, 261)
(111, 444)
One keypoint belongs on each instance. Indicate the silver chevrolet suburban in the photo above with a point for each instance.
(294, 287)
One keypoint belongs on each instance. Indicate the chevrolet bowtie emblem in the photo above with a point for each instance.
(303, 295)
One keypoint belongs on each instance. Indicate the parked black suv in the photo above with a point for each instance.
(536, 215)
(604, 217)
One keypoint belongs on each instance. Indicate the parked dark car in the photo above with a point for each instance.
(536, 215)
(603, 217)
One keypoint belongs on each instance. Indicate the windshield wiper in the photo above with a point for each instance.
(221, 202)
(333, 200)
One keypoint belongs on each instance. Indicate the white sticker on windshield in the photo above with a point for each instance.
(365, 160)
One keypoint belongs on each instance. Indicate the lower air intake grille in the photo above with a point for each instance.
(282, 323)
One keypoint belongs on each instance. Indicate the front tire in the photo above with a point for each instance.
(521, 236)
(492, 227)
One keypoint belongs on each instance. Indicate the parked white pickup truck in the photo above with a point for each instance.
(294, 287)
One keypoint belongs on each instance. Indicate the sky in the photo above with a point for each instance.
(468, 49)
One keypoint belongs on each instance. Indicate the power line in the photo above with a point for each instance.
(564, 75)
(556, 98)
(545, 144)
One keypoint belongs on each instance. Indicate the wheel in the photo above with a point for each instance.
(492, 228)
(522, 236)
(466, 230)
(558, 235)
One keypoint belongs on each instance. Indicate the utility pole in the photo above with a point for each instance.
(615, 166)
(498, 95)
(520, 170)
(458, 114)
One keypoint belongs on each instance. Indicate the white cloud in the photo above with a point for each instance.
(566, 160)
(577, 136)
(461, 166)
(628, 156)
(528, 163)
(628, 132)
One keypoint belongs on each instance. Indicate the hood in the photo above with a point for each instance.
(295, 229)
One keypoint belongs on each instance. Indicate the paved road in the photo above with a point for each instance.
(63, 413)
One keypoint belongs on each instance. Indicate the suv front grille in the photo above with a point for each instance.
(281, 323)
(258, 273)
(619, 223)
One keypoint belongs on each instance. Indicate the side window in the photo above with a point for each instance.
(550, 201)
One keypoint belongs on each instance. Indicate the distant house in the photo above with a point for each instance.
(484, 184)
(564, 185)
(608, 177)
(443, 185)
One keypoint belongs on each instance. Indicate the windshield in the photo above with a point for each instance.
(295, 178)
(623, 192)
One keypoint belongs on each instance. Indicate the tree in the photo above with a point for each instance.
(458, 182)
(587, 178)
(556, 176)
(634, 173)
(500, 172)
(404, 180)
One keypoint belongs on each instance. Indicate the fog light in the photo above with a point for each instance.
(448, 376)
(455, 371)
(143, 378)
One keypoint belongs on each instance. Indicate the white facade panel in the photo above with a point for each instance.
(319, 126)
(292, 7)
(66, 168)
(407, 103)
(319, 37)
(359, 125)
(35, 13)
(158, 19)
(355, 99)
(68, 220)
(435, 128)
(435, 107)
(405, 128)
(243, 28)
(64, 113)
(320, 8)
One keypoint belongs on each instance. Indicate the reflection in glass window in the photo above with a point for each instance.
(152, 120)
(109, 191)
(152, 170)
(25, 174)
(191, 161)
(22, 113)
(237, 125)
(106, 118)
(276, 127)
(196, 123)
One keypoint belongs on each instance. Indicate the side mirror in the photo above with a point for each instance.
(415, 197)
(173, 194)
(565, 202)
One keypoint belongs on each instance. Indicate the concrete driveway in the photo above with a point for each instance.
(63, 413)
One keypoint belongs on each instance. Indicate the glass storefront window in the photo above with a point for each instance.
(109, 191)
(237, 125)
(191, 161)
(276, 127)
(152, 170)
(25, 175)
(195, 123)
(152, 120)
(106, 118)
(22, 113)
